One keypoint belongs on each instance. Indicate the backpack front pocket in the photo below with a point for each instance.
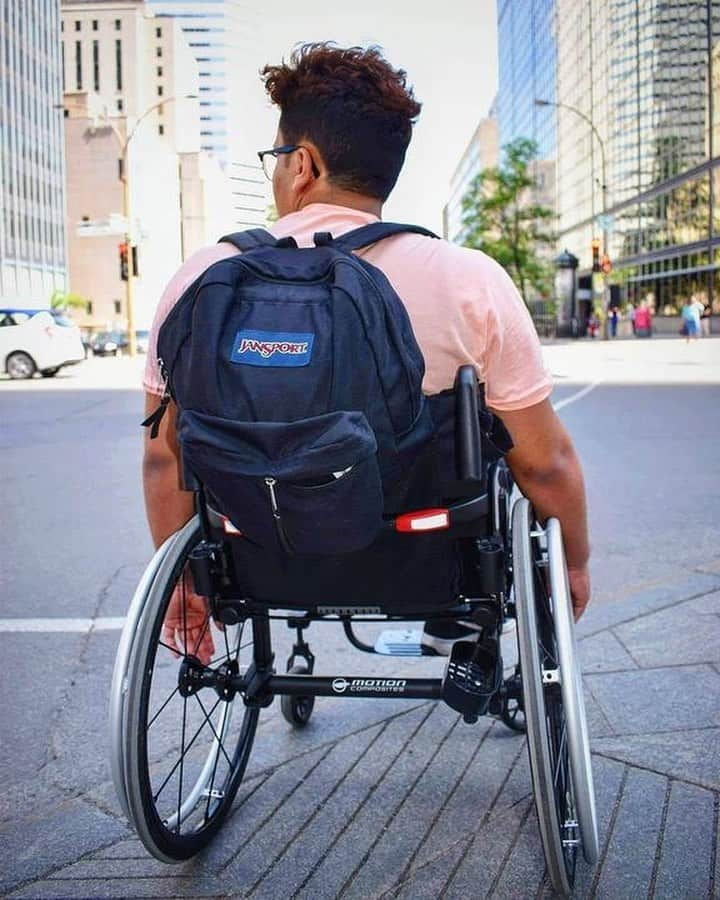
(313, 485)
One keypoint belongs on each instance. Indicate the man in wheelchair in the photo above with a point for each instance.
(334, 399)
(345, 123)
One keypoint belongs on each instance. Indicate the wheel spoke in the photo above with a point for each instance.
(162, 708)
(187, 750)
(182, 764)
(561, 755)
(212, 728)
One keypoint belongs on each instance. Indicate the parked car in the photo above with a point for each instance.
(141, 341)
(37, 340)
(109, 343)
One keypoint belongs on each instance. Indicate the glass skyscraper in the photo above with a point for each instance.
(527, 62)
(32, 191)
(633, 84)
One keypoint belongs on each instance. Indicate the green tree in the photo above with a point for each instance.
(67, 300)
(501, 218)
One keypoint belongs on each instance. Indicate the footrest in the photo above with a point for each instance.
(400, 642)
(472, 676)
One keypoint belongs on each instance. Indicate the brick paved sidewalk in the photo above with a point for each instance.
(406, 801)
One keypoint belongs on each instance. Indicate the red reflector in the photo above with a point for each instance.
(423, 520)
(228, 526)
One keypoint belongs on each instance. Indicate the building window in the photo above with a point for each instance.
(62, 25)
(95, 24)
(78, 65)
(161, 129)
(66, 113)
(118, 24)
(160, 90)
(118, 64)
(158, 52)
(117, 307)
(158, 32)
(96, 65)
(88, 307)
(120, 105)
(78, 25)
(159, 71)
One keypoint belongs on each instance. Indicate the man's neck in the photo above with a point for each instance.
(337, 197)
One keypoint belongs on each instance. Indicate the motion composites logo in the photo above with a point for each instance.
(272, 348)
(374, 685)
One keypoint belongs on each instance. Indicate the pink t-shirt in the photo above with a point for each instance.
(462, 305)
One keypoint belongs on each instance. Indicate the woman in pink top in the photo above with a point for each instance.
(643, 321)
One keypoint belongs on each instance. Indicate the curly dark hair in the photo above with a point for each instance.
(355, 108)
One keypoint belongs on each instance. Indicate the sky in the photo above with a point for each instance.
(448, 49)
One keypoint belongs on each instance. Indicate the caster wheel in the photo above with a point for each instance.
(513, 714)
(297, 710)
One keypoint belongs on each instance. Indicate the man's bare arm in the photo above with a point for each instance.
(167, 507)
(547, 470)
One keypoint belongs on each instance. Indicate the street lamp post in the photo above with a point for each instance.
(603, 186)
(127, 215)
(124, 174)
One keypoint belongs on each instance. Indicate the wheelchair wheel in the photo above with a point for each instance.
(557, 733)
(183, 748)
(297, 710)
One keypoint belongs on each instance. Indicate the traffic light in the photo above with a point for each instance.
(135, 260)
(605, 264)
(595, 244)
(123, 249)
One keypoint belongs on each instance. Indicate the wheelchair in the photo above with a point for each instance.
(182, 729)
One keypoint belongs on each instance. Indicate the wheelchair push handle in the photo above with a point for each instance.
(467, 426)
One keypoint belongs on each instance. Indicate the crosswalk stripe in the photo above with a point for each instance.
(50, 625)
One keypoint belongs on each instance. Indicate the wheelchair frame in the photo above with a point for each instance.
(546, 688)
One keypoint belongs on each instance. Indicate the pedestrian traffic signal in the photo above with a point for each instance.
(595, 244)
(123, 249)
(606, 265)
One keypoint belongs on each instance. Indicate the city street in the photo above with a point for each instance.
(645, 416)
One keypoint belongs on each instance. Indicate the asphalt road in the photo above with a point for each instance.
(75, 543)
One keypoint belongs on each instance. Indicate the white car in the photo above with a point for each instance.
(37, 340)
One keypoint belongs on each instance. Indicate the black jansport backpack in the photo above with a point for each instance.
(298, 383)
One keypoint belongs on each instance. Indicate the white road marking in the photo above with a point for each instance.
(49, 625)
(578, 395)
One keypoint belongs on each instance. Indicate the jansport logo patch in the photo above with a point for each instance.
(272, 348)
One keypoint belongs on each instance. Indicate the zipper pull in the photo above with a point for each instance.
(285, 544)
(155, 418)
(271, 482)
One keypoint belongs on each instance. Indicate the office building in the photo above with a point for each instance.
(131, 81)
(481, 153)
(527, 68)
(140, 65)
(32, 178)
(94, 213)
(224, 37)
(631, 120)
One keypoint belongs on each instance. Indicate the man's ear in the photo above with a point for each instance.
(302, 169)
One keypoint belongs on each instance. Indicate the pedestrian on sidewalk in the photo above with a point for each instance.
(614, 316)
(631, 315)
(643, 321)
(705, 320)
(690, 314)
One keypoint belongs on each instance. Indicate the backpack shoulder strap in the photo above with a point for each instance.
(249, 240)
(376, 231)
